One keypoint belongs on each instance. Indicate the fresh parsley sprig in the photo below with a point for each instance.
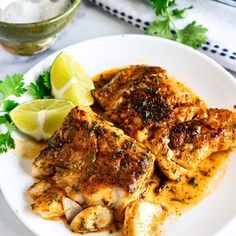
(193, 35)
(42, 87)
(12, 85)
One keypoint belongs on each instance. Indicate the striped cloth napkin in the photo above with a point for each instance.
(218, 16)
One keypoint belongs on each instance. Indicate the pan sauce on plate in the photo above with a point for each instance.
(186, 192)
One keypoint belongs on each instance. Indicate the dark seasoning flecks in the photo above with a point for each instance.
(191, 187)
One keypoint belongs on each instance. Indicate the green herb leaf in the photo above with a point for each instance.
(42, 87)
(147, 114)
(12, 85)
(192, 35)
(6, 141)
(35, 91)
(161, 6)
(160, 29)
(181, 13)
(46, 79)
(4, 119)
(53, 195)
(192, 181)
(9, 105)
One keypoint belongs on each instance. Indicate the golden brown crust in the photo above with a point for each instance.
(165, 116)
(195, 140)
(91, 159)
(124, 77)
(92, 151)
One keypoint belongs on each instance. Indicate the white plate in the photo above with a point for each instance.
(201, 74)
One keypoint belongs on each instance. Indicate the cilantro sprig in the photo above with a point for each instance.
(9, 105)
(12, 85)
(6, 140)
(42, 87)
(193, 35)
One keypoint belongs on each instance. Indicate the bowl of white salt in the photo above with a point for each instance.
(28, 27)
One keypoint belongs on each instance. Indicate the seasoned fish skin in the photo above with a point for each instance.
(153, 108)
(124, 77)
(90, 157)
(144, 103)
(194, 140)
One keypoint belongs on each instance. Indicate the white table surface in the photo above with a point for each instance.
(90, 22)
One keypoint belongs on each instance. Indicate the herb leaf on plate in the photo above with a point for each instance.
(12, 85)
(9, 105)
(42, 86)
(46, 79)
(6, 140)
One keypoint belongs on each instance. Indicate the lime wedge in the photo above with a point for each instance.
(40, 118)
(70, 81)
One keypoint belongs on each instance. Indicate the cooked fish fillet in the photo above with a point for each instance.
(194, 140)
(95, 163)
(159, 111)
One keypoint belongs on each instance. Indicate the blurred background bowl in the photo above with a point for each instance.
(32, 38)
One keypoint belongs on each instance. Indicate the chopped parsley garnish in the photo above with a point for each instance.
(192, 181)
(54, 196)
(175, 199)
(93, 128)
(147, 114)
(94, 156)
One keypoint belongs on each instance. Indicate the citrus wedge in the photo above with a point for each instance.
(70, 81)
(40, 118)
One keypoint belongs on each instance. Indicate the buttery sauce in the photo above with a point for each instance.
(178, 196)
(104, 77)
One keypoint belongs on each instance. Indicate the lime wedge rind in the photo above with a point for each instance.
(70, 81)
(40, 118)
